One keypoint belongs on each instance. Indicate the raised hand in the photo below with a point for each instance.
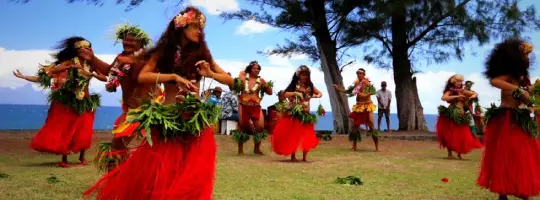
(18, 74)
(203, 68)
(86, 53)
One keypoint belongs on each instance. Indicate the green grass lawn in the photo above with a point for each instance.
(402, 170)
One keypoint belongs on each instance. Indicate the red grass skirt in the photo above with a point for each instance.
(64, 131)
(511, 159)
(456, 137)
(172, 169)
(360, 118)
(289, 134)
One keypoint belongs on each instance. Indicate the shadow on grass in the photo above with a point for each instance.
(45, 164)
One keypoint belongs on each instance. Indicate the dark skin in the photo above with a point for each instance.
(458, 101)
(66, 65)
(133, 93)
(387, 110)
(304, 79)
(362, 98)
(507, 85)
(246, 126)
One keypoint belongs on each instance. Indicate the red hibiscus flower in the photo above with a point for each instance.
(444, 180)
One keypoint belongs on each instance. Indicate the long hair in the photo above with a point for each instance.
(507, 58)
(250, 66)
(165, 50)
(67, 50)
(450, 83)
(292, 85)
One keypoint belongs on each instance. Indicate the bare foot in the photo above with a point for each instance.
(240, 153)
(258, 153)
(459, 156)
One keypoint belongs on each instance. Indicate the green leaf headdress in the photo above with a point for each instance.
(123, 29)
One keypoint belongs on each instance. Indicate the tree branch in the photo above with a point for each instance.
(434, 24)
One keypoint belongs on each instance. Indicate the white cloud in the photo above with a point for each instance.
(215, 7)
(252, 27)
(27, 62)
(275, 68)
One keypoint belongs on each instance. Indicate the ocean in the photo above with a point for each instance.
(30, 117)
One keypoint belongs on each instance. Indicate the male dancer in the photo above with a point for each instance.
(123, 73)
(251, 88)
(362, 112)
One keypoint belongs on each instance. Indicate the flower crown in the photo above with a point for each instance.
(301, 69)
(526, 48)
(361, 70)
(124, 29)
(190, 17)
(82, 44)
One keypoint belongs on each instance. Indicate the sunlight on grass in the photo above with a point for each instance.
(402, 170)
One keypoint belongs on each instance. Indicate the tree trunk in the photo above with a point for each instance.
(410, 110)
(328, 53)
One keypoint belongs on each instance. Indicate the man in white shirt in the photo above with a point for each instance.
(384, 97)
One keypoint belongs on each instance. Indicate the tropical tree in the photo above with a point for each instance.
(410, 31)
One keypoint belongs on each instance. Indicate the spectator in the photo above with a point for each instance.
(384, 97)
(229, 106)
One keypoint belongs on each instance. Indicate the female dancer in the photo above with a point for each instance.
(452, 129)
(511, 159)
(70, 120)
(177, 161)
(297, 130)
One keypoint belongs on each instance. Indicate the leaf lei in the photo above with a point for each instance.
(454, 114)
(45, 81)
(297, 111)
(190, 116)
(522, 116)
(82, 80)
(355, 90)
(67, 95)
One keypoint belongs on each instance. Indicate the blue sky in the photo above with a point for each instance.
(30, 30)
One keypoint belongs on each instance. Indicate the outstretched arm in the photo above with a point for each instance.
(339, 89)
(61, 67)
(99, 76)
(220, 75)
(18, 74)
(101, 66)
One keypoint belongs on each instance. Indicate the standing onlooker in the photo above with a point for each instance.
(384, 97)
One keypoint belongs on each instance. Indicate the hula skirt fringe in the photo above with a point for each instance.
(289, 134)
(64, 131)
(179, 169)
(456, 137)
(511, 159)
